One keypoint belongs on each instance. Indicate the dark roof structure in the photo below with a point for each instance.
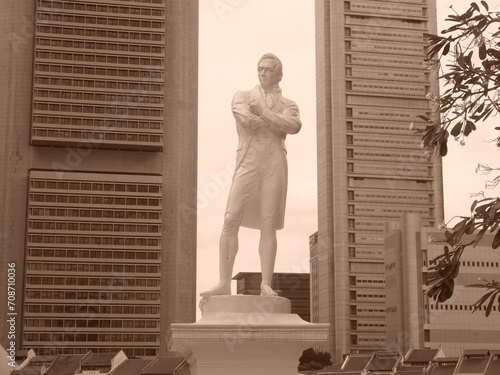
(166, 366)
(131, 367)
(65, 364)
(443, 366)
(34, 366)
(417, 356)
(98, 359)
(383, 362)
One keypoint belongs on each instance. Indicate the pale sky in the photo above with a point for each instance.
(233, 36)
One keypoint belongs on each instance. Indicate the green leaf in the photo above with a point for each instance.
(496, 240)
(485, 5)
(446, 49)
(456, 129)
(482, 51)
(490, 304)
(474, 6)
(469, 127)
(481, 300)
(443, 149)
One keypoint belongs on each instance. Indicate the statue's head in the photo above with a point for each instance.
(270, 70)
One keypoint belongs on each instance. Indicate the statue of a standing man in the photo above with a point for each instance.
(258, 192)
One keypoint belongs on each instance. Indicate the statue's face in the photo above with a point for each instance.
(268, 76)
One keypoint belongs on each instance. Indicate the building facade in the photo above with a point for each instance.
(371, 84)
(99, 144)
(294, 286)
(414, 319)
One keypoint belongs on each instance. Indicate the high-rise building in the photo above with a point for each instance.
(294, 286)
(371, 84)
(99, 156)
(414, 319)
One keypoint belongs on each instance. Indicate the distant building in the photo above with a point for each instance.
(413, 319)
(371, 84)
(294, 286)
(98, 166)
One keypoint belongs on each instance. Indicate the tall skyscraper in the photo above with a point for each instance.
(99, 155)
(371, 84)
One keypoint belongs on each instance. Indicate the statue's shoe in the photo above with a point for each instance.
(219, 290)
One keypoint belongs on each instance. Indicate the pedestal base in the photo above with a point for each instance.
(245, 335)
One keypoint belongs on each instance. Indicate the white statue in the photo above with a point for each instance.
(258, 192)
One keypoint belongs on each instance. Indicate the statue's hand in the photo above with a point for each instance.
(256, 107)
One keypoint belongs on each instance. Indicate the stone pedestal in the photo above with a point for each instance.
(245, 335)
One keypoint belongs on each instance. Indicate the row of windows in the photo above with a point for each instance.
(392, 197)
(362, 45)
(94, 227)
(369, 73)
(94, 186)
(385, 9)
(95, 199)
(84, 240)
(369, 281)
(101, 33)
(100, 84)
(108, 59)
(371, 169)
(384, 88)
(101, 21)
(353, 209)
(357, 309)
(351, 138)
(353, 253)
(92, 267)
(80, 44)
(94, 254)
(89, 337)
(367, 168)
(92, 323)
(355, 340)
(90, 7)
(107, 214)
(458, 307)
(389, 128)
(90, 295)
(469, 263)
(101, 97)
(370, 325)
(97, 136)
(388, 22)
(91, 309)
(394, 156)
(89, 109)
(102, 123)
(372, 113)
(93, 281)
(66, 349)
(383, 61)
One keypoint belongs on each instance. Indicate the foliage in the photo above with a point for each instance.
(312, 360)
(472, 95)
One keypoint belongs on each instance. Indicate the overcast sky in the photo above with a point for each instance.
(233, 36)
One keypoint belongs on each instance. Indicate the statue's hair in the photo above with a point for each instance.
(278, 66)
